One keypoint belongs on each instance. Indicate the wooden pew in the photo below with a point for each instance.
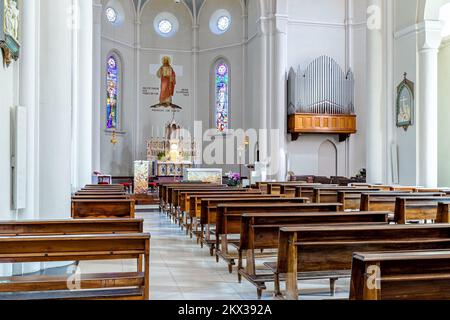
(444, 210)
(164, 194)
(184, 201)
(115, 208)
(192, 204)
(259, 231)
(100, 193)
(102, 187)
(100, 197)
(174, 201)
(70, 226)
(419, 208)
(307, 190)
(228, 220)
(277, 188)
(119, 285)
(209, 210)
(288, 190)
(401, 275)
(325, 252)
(170, 200)
(262, 186)
(351, 199)
(330, 194)
(385, 201)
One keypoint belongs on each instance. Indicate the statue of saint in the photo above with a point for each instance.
(12, 19)
(168, 81)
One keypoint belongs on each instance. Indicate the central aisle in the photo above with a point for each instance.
(181, 270)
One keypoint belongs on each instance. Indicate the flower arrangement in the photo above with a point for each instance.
(233, 179)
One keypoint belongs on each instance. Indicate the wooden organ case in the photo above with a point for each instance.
(321, 100)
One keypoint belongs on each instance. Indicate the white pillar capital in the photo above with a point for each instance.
(429, 35)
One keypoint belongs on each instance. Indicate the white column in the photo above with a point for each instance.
(244, 65)
(273, 83)
(55, 110)
(427, 119)
(138, 143)
(374, 94)
(29, 98)
(349, 63)
(83, 79)
(195, 55)
(264, 115)
(97, 85)
(279, 98)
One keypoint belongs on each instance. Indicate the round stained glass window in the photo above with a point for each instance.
(223, 23)
(165, 26)
(111, 15)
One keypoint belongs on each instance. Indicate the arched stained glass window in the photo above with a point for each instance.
(112, 92)
(222, 96)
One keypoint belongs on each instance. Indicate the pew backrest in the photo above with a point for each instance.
(115, 208)
(419, 208)
(261, 230)
(401, 275)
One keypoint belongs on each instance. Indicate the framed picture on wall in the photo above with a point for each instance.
(9, 30)
(405, 104)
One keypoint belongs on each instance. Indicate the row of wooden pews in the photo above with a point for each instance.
(312, 230)
(102, 201)
(75, 240)
(103, 228)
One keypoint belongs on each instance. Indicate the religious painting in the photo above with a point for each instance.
(112, 93)
(9, 31)
(222, 88)
(405, 104)
(168, 81)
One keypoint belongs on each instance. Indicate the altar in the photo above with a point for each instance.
(170, 155)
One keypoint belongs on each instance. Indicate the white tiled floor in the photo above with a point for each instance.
(181, 270)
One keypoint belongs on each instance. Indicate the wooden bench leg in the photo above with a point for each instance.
(240, 266)
(277, 288)
(259, 293)
(140, 263)
(147, 271)
(333, 286)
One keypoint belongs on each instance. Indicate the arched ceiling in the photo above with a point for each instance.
(193, 5)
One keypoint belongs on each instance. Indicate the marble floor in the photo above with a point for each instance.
(181, 270)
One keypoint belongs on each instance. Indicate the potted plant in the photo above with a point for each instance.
(233, 179)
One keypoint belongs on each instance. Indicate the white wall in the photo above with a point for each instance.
(405, 60)
(140, 47)
(153, 47)
(444, 115)
(117, 160)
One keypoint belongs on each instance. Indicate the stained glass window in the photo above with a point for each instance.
(165, 26)
(111, 14)
(222, 85)
(112, 93)
(223, 23)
